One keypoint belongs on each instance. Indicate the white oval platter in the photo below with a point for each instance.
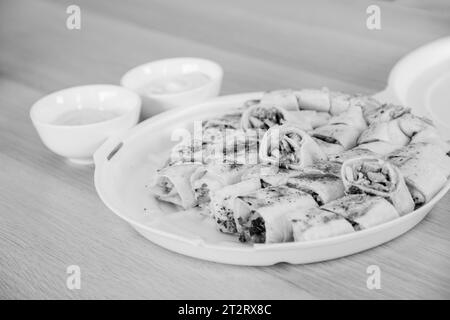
(125, 166)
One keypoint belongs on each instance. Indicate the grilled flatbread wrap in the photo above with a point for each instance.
(222, 203)
(285, 99)
(340, 134)
(316, 224)
(173, 184)
(264, 116)
(383, 137)
(189, 151)
(379, 147)
(329, 148)
(384, 112)
(208, 178)
(314, 118)
(425, 168)
(262, 216)
(323, 188)
(421, 129)
(353, 117)
(350, 154)
(342, 131)
(234, 150)
(362, 210)
(319, 169)
(289, 147)
(226, 121)
(374, 176)
(333, 102)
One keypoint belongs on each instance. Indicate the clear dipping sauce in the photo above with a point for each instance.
(84, 116)
(176, 83)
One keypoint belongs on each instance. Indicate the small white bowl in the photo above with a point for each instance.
(137, 78)
(79, 142)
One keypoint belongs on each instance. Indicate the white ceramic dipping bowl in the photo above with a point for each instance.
(79, 142)
(137, 78)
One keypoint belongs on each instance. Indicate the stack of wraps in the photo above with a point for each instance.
(303, 165)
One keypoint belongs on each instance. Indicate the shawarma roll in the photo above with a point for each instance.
(188, 151)
(340, 134)
(366, 103)
(314, 118)
(259, 171)
(379, 147)
(314, 99)
(323, 188)
(333, 102)
(353, 117)
(235, 149)
(289, 147)
(323, 100)
(323, 167)
(350, 154)
(384, 112)
(226, 121)
(211, 177)
(329, 148)
(173, 184)
(432, 136)
(264, 116)
(285, 99)
(383, 137)
(319, 169)
(263, 216)
(363, 211)
(425, 168)
(279, 178)
(374, 176)
(411, 124)
(222, 202)
(316, 224)
(421, 129)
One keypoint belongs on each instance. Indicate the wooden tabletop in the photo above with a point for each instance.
(50, 214)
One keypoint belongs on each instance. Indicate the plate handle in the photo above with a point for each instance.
(108, 149)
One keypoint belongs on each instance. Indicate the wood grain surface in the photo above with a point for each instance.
(50, 215)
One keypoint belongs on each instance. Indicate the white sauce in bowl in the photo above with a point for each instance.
(176, 83)
(84, 116)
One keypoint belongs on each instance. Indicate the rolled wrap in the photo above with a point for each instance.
(222, 202)
(342, 135)
(285, 99)
(425, 168)
(323, 188)
(383, 137)
(350, 154)
(342, 130)
(275, 176)
(362, 210)
(333, 102)
(384, 112)
(314, 118)
(209, 178)
(289, 147)
(173, 185)
(374, 176)
(264, 116)
(421, 129)
(353, 117)
(262, 216)
(316, 224)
